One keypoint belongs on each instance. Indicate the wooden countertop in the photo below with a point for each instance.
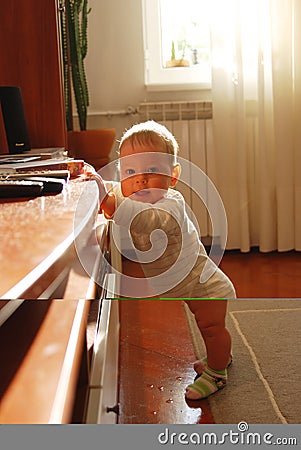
(40, 237)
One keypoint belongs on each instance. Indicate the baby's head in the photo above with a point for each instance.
(151, 133)
(148, 161)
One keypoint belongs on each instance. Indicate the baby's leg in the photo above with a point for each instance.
(210, 316)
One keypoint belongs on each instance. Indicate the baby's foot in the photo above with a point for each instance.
(209, 382)
(200, 365)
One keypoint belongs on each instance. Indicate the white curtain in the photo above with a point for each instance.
(256, 90)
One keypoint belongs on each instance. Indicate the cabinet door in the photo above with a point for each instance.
(30, 57)
(103, 390)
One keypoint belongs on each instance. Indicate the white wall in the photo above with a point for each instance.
(114, 63)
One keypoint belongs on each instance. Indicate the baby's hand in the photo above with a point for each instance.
(89, 170)
(107, 200)
(91, 174)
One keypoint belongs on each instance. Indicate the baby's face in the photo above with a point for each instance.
(146, 172)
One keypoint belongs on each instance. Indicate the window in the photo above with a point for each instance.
(176, 44)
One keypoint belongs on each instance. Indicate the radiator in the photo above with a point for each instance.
(191, 124)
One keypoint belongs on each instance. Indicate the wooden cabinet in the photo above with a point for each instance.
(30, 57)
(53, 248)
(44, 356)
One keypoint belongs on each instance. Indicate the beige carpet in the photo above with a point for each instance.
(264, 384)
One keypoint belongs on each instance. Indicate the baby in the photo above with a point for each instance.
(173, 260)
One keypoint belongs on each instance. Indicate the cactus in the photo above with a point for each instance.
(74, 21)
(173, 52)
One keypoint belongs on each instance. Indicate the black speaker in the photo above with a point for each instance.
(14, 119)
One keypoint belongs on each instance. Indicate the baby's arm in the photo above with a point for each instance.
(107, 199)
(108, 205)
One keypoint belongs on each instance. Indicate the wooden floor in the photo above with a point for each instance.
(156, 353)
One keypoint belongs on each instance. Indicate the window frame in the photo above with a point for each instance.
(156, 77)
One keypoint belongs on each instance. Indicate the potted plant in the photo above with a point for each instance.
(178, 62)
(94, 146)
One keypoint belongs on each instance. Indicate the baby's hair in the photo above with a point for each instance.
(151, 132)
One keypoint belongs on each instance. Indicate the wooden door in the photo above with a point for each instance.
(30, 57)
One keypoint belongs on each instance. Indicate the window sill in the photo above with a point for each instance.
(153, 87)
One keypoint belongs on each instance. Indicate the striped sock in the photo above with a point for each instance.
(200, 365)
(209, 382)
